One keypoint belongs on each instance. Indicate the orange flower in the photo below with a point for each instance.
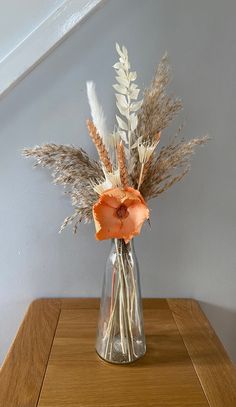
(119, 213)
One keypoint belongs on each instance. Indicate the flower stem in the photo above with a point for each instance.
(140, 176)
(123, 307)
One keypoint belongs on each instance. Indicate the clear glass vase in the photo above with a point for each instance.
(120, 334)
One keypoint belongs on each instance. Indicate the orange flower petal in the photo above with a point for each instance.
(110, 223)
(105, 221)
(131, 201)
(112, 197)
(132, 225)
(137, 193)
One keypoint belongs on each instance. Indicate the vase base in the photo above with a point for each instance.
(119, 353)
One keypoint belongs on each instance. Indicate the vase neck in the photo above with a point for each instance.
(129, 245)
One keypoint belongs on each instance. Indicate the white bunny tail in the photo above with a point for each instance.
(97, 111)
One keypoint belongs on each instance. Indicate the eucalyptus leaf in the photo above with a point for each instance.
(133, 121)
(118, 49)
(122, 101)
(134, 94)
(135, 106)
(121, 123)
(133, 76)
(122, 80)
(123, 111)
(120, 89)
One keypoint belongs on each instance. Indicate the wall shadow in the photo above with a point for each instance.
(223, 320)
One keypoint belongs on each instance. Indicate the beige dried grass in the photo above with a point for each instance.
(157, 111)
(169, 166)
(73, 169)
(158, 108)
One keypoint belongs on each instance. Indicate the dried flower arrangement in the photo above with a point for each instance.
(131, 171)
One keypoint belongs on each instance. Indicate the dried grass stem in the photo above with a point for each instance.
(122, 164)
(101, 149)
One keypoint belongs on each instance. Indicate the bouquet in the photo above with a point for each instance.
(114, 191)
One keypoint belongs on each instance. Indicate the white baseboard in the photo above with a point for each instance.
(42, 40)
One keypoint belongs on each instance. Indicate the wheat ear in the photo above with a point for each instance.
(101, 149)
(122, 164)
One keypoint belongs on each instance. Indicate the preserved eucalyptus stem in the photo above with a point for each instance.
(120, 337)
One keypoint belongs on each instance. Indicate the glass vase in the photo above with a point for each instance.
(120, 334)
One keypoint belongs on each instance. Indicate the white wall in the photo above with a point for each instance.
(190, 250)
(19, 18)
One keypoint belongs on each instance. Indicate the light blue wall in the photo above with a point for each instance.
(190, 249)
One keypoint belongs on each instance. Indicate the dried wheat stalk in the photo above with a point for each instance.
(101, 149)
(122, 164)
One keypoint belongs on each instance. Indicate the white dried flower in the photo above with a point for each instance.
(145, 149)
(99, 188)
(112, 180)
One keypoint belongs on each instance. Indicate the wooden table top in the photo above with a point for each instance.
(52, 362)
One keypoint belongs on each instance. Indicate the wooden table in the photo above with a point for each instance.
(52, 362)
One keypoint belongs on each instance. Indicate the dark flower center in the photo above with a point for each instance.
(122, 212)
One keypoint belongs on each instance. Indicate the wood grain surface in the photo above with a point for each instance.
(215, 371)
(52, 362)
(22, 373)
(76, 376)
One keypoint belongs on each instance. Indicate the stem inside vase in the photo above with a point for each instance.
(120, 337)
